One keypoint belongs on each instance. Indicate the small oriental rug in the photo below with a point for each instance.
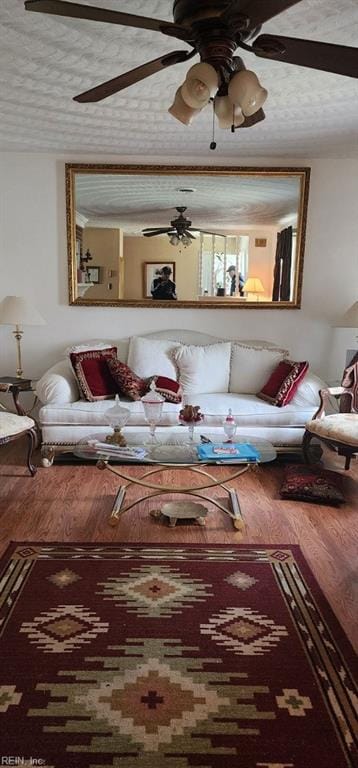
(121, 656)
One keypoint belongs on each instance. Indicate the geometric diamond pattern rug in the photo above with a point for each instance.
(130, 656)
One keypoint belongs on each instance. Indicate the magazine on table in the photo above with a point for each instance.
(228, 451)
(124, 452)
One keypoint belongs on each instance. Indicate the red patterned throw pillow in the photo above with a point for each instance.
(93, 376)
(168, 388)
(128, 383)
(283, 382)
(310, 483)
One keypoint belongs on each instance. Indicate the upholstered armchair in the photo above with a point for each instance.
(337, 430)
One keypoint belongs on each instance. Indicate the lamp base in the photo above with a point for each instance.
(116, 438)
(18, 336)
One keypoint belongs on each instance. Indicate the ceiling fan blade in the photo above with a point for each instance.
(92, 13)
(188, 234)
(258, 11)
(100, 92)
(156, 232)
(205, 232)
(339, 59)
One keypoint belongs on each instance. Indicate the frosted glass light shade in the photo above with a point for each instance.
(15, 310)
(206, 75)
(227, 112)
(246, 92)
(195, 94)
(181, 111)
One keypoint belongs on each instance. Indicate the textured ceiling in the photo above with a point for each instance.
(223, 202)
(46, 60)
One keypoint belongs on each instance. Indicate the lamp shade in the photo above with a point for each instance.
(253, 285)
(15, 310)
(246, 92)
(228, 114)
(203, 74)
(350, 318)
(181, 111)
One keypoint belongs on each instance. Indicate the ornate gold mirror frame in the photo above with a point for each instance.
(251, 218)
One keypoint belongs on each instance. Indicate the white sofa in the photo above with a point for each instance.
(65, 419)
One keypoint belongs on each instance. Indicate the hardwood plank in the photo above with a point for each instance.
(73, 502)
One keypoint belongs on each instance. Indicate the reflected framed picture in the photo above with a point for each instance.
(94, 274)
(151, 273)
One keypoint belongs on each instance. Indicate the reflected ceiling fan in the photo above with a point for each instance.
(214, 29)
(180, 230)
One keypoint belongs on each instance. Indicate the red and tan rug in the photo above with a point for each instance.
(121, 656)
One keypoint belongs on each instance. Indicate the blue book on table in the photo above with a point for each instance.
(227, 451)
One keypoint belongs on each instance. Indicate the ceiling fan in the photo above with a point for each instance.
(214, 29)
(179, 231)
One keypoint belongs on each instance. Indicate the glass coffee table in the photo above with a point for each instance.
(173, 450)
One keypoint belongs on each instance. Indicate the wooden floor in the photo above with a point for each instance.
(72, 502)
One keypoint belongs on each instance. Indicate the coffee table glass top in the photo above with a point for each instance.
(172, 448)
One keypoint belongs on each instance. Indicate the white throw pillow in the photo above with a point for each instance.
(252, 366)
(152, 357)
(204, 370)
(58, 385)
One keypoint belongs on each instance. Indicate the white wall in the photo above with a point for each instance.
(33, 264)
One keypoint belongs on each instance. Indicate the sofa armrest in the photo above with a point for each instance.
(307, 394)
(58, 385)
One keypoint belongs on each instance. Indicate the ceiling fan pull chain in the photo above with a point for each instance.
(233, 119)
(213, 143)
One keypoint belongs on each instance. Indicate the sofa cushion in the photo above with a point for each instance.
(203, 369)
(93, 376)
(128, 383)
(283, 382)
(58, 384)
(152, 357)
(248, 411)
(251, 367)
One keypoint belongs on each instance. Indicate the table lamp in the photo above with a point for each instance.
(17, 311)
(253, 285)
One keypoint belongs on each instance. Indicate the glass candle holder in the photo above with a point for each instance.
(117, 417)
(229, 426)
(153, 407)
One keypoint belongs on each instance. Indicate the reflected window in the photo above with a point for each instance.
(217, 254)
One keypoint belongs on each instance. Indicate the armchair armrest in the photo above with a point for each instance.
(324, 395)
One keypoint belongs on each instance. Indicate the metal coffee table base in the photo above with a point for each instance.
(156, 489)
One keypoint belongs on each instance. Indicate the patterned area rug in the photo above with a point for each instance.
(121, 656)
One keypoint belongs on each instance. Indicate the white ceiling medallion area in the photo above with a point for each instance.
(45, 60)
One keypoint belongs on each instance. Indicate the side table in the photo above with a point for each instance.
(15, 386)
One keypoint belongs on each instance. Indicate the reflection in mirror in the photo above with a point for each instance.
(187, 237)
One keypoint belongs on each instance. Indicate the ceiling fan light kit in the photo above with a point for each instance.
(213, 29)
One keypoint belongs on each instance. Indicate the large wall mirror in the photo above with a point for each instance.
(189, 237)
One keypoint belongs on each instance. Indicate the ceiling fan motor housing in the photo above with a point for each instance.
(216, 36)
(181, 223)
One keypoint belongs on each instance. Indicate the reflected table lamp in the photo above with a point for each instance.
(17, 311)
(253, 285)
